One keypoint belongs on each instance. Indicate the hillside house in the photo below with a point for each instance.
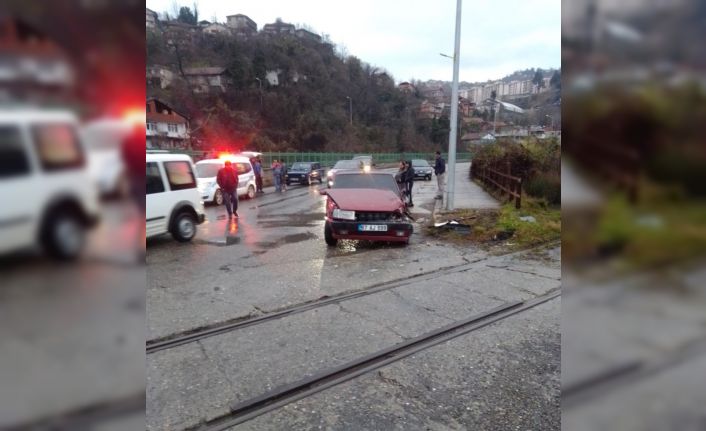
(166, 128)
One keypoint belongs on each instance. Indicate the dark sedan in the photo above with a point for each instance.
(422, 169)
(305, 173)
(366, 206)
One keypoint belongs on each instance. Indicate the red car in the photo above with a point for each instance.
(366, 206)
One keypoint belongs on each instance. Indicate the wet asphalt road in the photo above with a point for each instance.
(274, 257)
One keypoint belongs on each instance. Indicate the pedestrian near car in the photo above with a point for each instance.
(409, 181)
(257, 169)
(277, 175)
(283, 179)
(440, 172)
(400, 176)
(227, 180)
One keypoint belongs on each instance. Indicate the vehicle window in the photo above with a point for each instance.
(366, 181)
(207, 170)
(13, 157)
(316, 166)
(153, 179)
(301, 166)
(347, 164)
(58, 147)
(179, 175)
(243, 168)
(420, 163)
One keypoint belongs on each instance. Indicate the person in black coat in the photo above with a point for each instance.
(409, 181)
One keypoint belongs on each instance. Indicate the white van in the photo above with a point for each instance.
(172, 198)
(47, 197)
(207, 170)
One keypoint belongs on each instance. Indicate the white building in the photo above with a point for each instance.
(166, 128)
(150, 18)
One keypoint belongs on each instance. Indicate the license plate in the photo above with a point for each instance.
(372, 227)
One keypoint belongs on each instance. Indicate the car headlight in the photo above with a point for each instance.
(343, 214)
(329, 174)
(366, 168)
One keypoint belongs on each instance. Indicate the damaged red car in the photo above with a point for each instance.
(366, 206)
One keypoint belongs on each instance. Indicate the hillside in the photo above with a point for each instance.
(307, 109)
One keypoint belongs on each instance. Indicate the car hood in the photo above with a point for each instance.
(365, 199)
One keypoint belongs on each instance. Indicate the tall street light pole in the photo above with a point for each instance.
(451, 182)
(350, 109)
(260, 82)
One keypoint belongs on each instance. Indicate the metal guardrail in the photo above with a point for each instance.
(503, 182)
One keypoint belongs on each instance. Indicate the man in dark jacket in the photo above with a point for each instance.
(228, 182)
(440, 172)
(409, 180)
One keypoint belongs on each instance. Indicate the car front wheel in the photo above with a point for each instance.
(64, 235)
(184, 228)
(328, 235)
(251, 192)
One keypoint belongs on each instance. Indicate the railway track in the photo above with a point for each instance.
(196, 334)
(222, 328)
(289, 393)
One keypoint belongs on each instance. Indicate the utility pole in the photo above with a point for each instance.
(260, 82)
(350, 109)
(451, 181)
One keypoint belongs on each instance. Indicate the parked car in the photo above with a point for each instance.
(207, 170)
(47, 195)
(422, 169)
(173, 200)
(341, 166)
(366, 206)
(367, 162)
(305, 173)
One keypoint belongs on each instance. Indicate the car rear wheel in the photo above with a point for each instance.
(64, 235)
(184, 228)
(328, 235)
(251, 192)
(218, 198)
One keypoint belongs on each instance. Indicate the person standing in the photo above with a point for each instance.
(257, 168)
(409, 181)
(227, 180)
(440, 172)
(400, 177)
(284, 176)
(277, 175)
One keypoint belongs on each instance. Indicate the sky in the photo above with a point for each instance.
(406, 37)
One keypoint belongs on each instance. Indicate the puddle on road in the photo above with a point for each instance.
(219, 242)
(290, 220)
(287, 239)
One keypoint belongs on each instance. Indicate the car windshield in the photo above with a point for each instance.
(207, 170)
(299, 166)
(366, 181)
(420, 164)
(347, 164)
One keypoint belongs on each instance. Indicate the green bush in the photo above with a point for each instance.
(547, 186)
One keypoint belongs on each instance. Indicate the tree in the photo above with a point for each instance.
(556, 80)
(186, 16)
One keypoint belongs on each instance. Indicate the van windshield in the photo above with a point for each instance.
(207, 170)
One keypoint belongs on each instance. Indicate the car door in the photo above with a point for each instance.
(157, 199)
(21, 194)
(245, 177)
